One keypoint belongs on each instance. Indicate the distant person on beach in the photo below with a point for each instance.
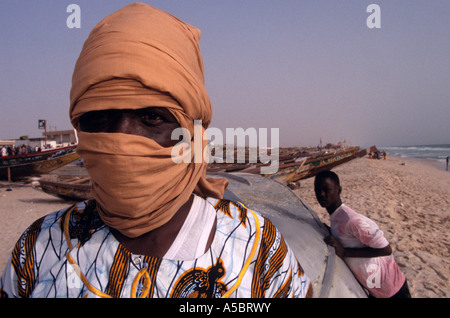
(446, 159)
(155, 228)
(358, 240)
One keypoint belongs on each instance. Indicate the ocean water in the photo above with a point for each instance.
(433, 152)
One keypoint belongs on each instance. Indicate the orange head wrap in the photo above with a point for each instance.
(140, 57)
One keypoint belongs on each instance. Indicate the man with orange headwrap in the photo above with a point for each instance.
(156, 227)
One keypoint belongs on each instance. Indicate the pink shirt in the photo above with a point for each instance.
(380, 275)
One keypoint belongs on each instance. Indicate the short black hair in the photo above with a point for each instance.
(328, 174)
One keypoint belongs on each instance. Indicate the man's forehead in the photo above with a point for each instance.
(323, 180)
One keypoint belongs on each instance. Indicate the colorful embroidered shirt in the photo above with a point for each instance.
(380, 275)
(72, 253)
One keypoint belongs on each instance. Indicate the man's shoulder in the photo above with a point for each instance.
(76, 216)
(236, 210)
(348, 212)
(356, 221)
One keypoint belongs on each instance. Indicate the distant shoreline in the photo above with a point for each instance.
(436, 163)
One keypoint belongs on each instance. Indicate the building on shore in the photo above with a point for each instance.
(49, 139)
(61, 137)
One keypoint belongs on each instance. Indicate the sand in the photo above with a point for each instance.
(409, 202)
(20, 205)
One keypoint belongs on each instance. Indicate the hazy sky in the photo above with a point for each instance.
(311, 68)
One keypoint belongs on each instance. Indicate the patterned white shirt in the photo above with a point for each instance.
(72, 253)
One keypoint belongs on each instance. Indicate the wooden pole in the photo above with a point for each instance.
(45, 133)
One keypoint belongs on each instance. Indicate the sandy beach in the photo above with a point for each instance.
(409, 202)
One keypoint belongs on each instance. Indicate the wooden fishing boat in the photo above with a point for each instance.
(311, 166)
(295, 166)
(36, 163)
(73, 188)
(301, 228)
(292, 168)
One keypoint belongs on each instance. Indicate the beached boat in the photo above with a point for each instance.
(69, 187)
(301, 228)
(309, 167)
(292, 168)
(295, 166)
(36, 163)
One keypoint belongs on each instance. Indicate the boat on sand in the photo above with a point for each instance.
(301, 228)
(68, 187)
(36, 163)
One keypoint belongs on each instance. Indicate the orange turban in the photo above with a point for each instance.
(141, 57)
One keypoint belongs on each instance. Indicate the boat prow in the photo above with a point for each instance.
(37, 163)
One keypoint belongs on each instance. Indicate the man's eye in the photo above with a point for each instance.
(152, 118)
(102, 119)
(94, 122)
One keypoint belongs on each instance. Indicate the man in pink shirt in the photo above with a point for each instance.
(359, 241)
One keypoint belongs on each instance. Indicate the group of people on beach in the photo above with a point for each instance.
(156, 228)
(18, 150)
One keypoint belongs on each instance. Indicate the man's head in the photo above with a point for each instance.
(328, 190)
(139, 76)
